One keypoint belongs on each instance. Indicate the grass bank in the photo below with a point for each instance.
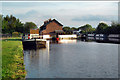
(12, 59)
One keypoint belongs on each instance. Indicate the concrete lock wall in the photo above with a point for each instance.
(46, 36)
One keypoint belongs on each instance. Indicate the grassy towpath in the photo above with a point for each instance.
(12, 59)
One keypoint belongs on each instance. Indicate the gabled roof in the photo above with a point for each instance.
(57, 22)
(49, 21)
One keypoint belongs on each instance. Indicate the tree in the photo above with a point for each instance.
(5, 26)
(67, 30)
(8, 24)
(115, 28)
(86, 28)
(114, 24)
(92, 30)
(0, 22)
(101, 28)
(11, 24)
(28, 26)
(19, 26)
(73, 28)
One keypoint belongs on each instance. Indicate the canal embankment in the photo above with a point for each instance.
(12, 59)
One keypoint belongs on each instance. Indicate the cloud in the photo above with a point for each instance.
(68, 13)
(95, 18)
(31, 12)
(27, 14)
(47, 16)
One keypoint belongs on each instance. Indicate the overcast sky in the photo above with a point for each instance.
(73, 14)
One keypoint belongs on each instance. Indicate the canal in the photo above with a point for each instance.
(72, 59)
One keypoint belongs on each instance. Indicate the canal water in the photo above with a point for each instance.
(72, 59)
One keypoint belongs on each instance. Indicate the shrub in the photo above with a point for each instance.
(15, 34)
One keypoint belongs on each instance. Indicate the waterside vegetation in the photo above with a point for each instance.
(102, 28)
(12, 59)
(12, 25)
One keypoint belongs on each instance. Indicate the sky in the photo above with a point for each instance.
(73, 14)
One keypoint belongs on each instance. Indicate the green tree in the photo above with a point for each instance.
(1, 22)
(73, 28)
(114, 24)
(92, 30)
(67, 30)
(11, 24)
(8, 24)
(19, 26)
(115, 28)
(86, 28)
(101, 28)
(28, 26)
(5, 26)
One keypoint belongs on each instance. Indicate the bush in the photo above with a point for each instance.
(15, 34)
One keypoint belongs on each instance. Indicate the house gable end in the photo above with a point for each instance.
(50, 26)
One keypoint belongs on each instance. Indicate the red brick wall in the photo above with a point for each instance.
(51, 27)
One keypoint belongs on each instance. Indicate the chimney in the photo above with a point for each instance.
(45, 21)
(49, 19)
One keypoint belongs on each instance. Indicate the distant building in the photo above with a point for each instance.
(77, 32)
(34, 33)
(51, 27)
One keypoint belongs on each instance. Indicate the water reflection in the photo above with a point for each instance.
(81, 60)
(114, 39)
(101, 39)
(63, 41)
(36, 61)
(67, 41)
(91, 38)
